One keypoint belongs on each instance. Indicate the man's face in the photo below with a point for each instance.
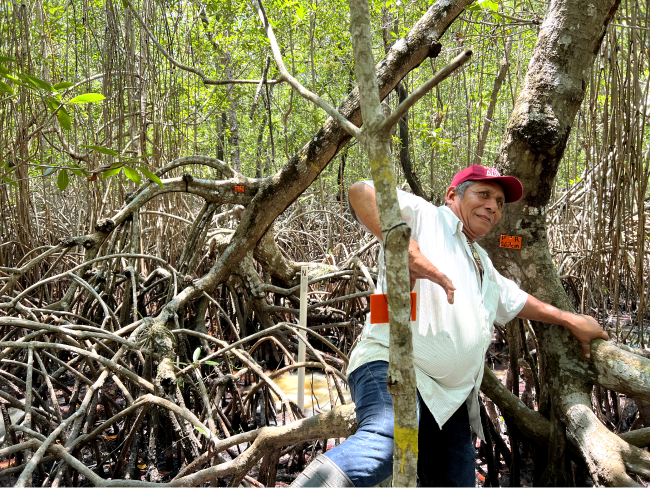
(479, 209)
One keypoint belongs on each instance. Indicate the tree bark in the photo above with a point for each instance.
(535, 140)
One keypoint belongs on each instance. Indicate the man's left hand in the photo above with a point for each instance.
(586, 329)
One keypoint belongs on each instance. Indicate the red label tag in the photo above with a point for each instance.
(510, 242)
(239, 189)
(379, 308)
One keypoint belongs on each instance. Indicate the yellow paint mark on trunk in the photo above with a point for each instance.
(405, 438)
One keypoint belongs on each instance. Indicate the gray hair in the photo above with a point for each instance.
(460, 189)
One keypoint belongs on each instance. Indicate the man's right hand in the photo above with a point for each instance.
(363, 201)
(421, 268)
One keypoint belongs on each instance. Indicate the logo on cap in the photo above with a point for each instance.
(492, 172)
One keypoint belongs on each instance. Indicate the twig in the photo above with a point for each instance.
(228, 347)
(259, 88)
(101, 359)
(50, 388)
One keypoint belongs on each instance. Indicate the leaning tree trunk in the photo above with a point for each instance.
(396, 237)
(276, 193)
(532, 148)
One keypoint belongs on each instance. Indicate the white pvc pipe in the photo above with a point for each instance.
(301, 345)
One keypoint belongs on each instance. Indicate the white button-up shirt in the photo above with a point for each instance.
(449, 341)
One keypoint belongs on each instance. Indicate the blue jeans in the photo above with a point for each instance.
(446, 456)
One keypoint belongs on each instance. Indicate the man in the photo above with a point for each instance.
(460, 296)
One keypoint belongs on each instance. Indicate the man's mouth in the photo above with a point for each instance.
(483, 217)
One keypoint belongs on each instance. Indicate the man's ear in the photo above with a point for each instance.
(451, 195)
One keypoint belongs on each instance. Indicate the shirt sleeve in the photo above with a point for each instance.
(511, 299)
(410, 205)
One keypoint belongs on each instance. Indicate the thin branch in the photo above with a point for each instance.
(113, 366)
(202, 160)
(441, 75)
(349, 127)
(172, 216)
(108, 313)
(259, 87)
(523, 21)
(638, 27)
(102, 258)
(225, 347)
(53, 113)
(292, 290)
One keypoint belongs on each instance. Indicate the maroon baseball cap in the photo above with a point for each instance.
(511, 186)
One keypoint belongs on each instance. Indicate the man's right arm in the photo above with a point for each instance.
(363, 201)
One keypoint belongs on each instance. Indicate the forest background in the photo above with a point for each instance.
(106, 105)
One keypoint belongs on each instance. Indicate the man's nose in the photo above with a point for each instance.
(491, 205)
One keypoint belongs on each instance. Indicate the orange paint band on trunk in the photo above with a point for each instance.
(379, 308)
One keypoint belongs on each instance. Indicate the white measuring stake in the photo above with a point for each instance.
(301, 344)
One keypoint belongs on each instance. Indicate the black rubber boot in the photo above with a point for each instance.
(322, 472)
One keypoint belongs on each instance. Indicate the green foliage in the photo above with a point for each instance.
(132, 174)
(64, 118)
(10, 181)
(52, 103)
(178, 115)
(111, 172)
(5, 171)
(88, 98)
(4, 88)
(62, 180)
(151, 176)
(63, 85)
(37, 83)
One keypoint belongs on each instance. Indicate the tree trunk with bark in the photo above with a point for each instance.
(534, 143)
(396, 236)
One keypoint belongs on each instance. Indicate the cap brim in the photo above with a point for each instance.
(512, 188)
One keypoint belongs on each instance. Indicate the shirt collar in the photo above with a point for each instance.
(451, 220)
(456, 226)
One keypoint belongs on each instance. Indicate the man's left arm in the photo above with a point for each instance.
(583, 327)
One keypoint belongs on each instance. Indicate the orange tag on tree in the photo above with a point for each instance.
(379, 308)
(510, 242)
(239, 188)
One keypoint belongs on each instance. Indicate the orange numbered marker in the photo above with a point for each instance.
(510, 242)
